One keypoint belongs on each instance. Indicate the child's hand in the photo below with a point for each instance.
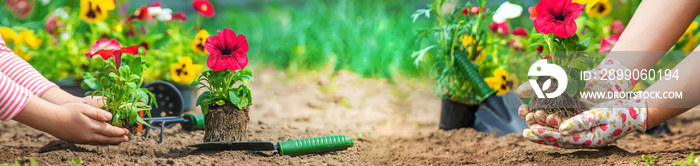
(94, 101)
(84, 124)
(594, 128)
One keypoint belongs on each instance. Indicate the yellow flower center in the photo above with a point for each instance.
(204, 8)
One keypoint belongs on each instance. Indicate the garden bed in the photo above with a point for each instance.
(391, 124)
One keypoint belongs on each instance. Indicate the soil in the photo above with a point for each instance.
(563, 105)
(127, 125)
(226, 123)
(391, 123)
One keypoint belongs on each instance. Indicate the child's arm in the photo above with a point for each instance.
(653, 30)
(27, 76)
(72, 122)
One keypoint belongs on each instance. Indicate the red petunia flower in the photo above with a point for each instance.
(180, 16)
(520, 31)
(227, 51)
(111, 48)
(557, 16)
(204, 6)
(606, 44)
(500, 28)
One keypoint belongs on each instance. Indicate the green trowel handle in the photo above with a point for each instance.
(193, 122)
(472, 74)
(315, 145)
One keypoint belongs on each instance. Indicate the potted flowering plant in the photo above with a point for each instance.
(119, 83)
(227, 102)
(462, 52)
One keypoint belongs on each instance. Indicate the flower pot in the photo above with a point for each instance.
(226, 123)
(456, 115)
(188, 98)
(74, 89)
(169, 101)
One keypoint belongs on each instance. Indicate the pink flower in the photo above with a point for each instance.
(500, 28)
(111, 48)
(204, 7)
(516, 45)
(617, 27)
(606, 44)
(551, 138)
(520, 31)
(557, 16)
(227, 51)
(576, 137)
(604, 127)
(180, 16)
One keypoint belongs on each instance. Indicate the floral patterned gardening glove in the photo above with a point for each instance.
(595, 128)
(598, 83)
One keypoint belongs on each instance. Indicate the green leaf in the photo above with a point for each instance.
(194, 84)
(585, 42)
(142, 121)
(235, 99)
(573, 87)
(131, 85)
(136, 66)
(203, 96)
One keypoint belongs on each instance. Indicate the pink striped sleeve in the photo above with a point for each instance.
(22, 72)
(13, 97)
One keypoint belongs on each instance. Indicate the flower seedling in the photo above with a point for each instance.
(557, 32)
(688, 161)
(119, 83)
(648, 160)
(225, 104)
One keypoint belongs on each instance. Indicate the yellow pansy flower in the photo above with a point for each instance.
(198, 42)
(92, 11)
(22, 54)
(689, 32)
(599, 8)
(184, 71)
(583, 2)
(498, 82)
(691, 43)
(27, 37)
(467, 40)
(7, 34)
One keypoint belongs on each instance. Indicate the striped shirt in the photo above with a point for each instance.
(18, 82)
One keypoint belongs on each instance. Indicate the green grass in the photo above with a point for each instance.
(371, 38)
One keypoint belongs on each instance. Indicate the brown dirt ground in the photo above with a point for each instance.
(392, 124)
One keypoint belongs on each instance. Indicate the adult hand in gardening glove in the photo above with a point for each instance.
(595, 128)
(599, 82)
(71, 122)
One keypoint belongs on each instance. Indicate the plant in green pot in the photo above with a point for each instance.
(119, 83)
(227, 102)
(462, 51)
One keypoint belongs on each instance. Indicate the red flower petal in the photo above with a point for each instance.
(105, 53)
(520, 31)
(203, 6)
(557, 16)
(180, 16)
